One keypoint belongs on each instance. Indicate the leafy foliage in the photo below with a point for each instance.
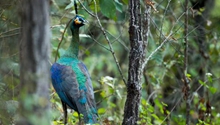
(162, 93)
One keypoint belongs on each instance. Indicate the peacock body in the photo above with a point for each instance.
(71, 80)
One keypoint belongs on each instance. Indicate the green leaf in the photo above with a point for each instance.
(108, 8)
(143, 102)
(212, 90)
(164, 104)
(75, 114)
(118, 93)
(201, 82)
(210, 79)
(108, 81)
(125, 1)
(103, 94)
(93, 7)
(155, 116)
(188, 75)
(112, 105)
(119, 6)
(150, 108)
(101, 111)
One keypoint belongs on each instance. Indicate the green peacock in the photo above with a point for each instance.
(71, 80)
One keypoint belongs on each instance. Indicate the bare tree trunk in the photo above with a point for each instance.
(34, 70)
(136, 59)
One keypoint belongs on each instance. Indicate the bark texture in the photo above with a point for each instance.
(34, 57)
(136, 59)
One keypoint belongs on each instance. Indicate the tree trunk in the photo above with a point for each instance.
(136, 59)
(34, 57)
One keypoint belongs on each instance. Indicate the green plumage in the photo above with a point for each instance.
(71, 79)
(73, 62)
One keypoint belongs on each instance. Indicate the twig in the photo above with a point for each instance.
(161, 45)
(201, 87)
(151, 95)
(166, 39)
(100, 44)
(61, 40)
(5, 36)
(10, 30)
(86, 9)
(104, 99)
(171, 110)
(164, 17)
(109, 43)
(117, 39)
(106, 37)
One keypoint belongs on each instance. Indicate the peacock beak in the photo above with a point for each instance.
(85, 22)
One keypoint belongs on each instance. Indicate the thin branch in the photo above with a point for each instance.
(100, 44)
(106, 37)
(171, 110)
(166, 37)
(117, 39)
(109, 43)
(90, 13)
(5, 36)
(151, 95)
(164, 17)
(161, 45)
(10, 30)
(201, 87)
(61, 40)
(180, 100)
(104, 98)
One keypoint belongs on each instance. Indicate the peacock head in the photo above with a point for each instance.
(77, 22)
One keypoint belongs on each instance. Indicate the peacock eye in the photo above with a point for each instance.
(77, 21)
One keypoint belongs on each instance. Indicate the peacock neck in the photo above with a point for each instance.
(73, 49)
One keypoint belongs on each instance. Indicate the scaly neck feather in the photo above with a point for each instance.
(73, 49)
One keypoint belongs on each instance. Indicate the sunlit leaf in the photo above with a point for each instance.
(101, 111)
(118, 93)
(188, 75)
(103, 94)
(164, 104)
(155, 116)
(75, 114)
(212, 90)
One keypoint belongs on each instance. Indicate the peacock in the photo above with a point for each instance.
(71, 80)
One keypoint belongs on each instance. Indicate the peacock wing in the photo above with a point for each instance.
(77, 95)
(65, 83)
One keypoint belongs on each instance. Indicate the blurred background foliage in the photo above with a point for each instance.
(162, 92)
